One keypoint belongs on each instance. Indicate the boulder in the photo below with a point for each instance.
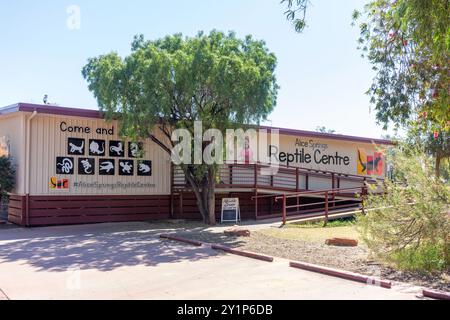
(237, 232)
(342, 242)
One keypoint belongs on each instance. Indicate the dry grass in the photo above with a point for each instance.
(318, 235)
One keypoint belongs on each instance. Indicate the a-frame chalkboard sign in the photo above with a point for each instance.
(230, 210)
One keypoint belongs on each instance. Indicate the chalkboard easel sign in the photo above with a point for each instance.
(230, 210)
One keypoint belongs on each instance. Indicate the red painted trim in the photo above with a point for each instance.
(175, 238)
(3, 295)
(340, 274)
(58, 110)
(242, 253)
(313, 134)
(66, 209)
(91, 113)
(439, 295)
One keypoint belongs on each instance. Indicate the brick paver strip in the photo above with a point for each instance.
(219, 247)
(175, 238)
(440, 295)
(3, 296)
(340, 274)
(243, 253)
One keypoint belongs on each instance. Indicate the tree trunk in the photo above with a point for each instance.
(212, 196)
(205, 193)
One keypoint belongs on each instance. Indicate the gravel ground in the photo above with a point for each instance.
(354, 259)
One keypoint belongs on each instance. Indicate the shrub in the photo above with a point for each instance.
(7, 177)
(409, 224)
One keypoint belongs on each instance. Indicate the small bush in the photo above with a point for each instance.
(7, 177)
(409, 223)
(427, 257)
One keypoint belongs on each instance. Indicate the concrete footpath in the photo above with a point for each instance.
(129, 261)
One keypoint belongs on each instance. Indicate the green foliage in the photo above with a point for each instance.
(7, 177)
(409, 224)
(344, 222)
(216, 78)
(433, 143)
(427, 257)
(296, 12)
(408, 44)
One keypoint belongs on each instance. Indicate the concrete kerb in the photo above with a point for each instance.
(243, 253)
(3, 295)
(341, 274)
(439, 295)
(188, 241)
(219, 247)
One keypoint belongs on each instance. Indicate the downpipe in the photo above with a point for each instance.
(27, 168)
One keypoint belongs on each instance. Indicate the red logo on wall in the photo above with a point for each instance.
(371, 164)
(61, 184)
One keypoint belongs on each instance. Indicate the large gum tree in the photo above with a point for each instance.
(167, 84)
(408, 44)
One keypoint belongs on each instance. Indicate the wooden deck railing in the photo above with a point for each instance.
(286, 179)
(348, 196)
(258, 175)
(336, 189)
(361, 193)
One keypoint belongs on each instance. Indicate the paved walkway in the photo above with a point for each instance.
(128, 261)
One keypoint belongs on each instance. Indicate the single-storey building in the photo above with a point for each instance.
(72, 167)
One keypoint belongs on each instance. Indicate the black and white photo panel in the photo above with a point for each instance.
(144, 168)
(64, 165)
(135, 149)
(97, 147)
(126, 167)
(75, 146)
(116, 148)
(107, 167)
(86, 166)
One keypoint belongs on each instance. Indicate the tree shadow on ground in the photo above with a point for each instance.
(103, 247)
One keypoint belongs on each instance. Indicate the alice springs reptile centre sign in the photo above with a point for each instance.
(303, 154)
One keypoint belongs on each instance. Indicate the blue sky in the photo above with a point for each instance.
(321, 74)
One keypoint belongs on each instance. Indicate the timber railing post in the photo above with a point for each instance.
(332, 181)
(326, 209)
(363, 196)
(256, 175)
(333, 186)
(230, 168)
(256, 204)
(284, 209)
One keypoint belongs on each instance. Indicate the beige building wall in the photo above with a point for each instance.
(315, 149)
(344, 148)
(48, 142)
(12, 141)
